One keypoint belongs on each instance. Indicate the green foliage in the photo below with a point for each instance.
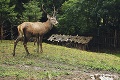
(7, 12)
(74, 20)
(75, 16)
(32, 11)
(83, 16)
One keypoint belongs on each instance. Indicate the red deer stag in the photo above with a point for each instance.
(37, 29)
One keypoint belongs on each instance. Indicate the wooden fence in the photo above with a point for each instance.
(106, 40)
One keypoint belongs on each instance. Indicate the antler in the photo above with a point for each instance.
(54, 10)
(43, 9)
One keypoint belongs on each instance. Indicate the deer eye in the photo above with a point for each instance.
(52, 18)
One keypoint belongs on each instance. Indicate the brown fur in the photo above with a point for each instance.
(38, 29)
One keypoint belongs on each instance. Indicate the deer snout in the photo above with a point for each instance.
(56, 23)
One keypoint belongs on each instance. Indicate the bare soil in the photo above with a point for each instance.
(77, 74)
(90, 75)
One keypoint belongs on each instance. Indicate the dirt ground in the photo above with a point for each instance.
(89, 75)
(76, 75)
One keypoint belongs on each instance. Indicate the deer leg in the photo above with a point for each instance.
(38, 42)
(15, 43)
(35, 41)
(26, 38)
(25, 46)
(41, 50)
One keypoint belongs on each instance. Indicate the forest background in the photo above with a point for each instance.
(76, 17)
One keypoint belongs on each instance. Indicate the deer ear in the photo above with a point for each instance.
(48, 16)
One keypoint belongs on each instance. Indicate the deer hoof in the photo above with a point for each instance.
(28, 54)
(13, 54)
(41, 51)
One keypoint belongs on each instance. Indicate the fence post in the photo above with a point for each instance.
(1, 33)
(98, 35)
(115, 38)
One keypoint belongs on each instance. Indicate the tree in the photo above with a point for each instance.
(32, 11)
(6, 13)
(73, 20)
(86, 16)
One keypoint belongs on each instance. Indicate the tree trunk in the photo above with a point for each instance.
(1, 33)
(115, 38)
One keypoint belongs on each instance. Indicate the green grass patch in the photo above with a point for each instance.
(54, 61)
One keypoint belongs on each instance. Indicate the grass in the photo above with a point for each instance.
(54, 61)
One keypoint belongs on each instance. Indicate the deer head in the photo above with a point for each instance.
(52, 18)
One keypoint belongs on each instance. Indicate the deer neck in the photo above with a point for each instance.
(48, 24)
